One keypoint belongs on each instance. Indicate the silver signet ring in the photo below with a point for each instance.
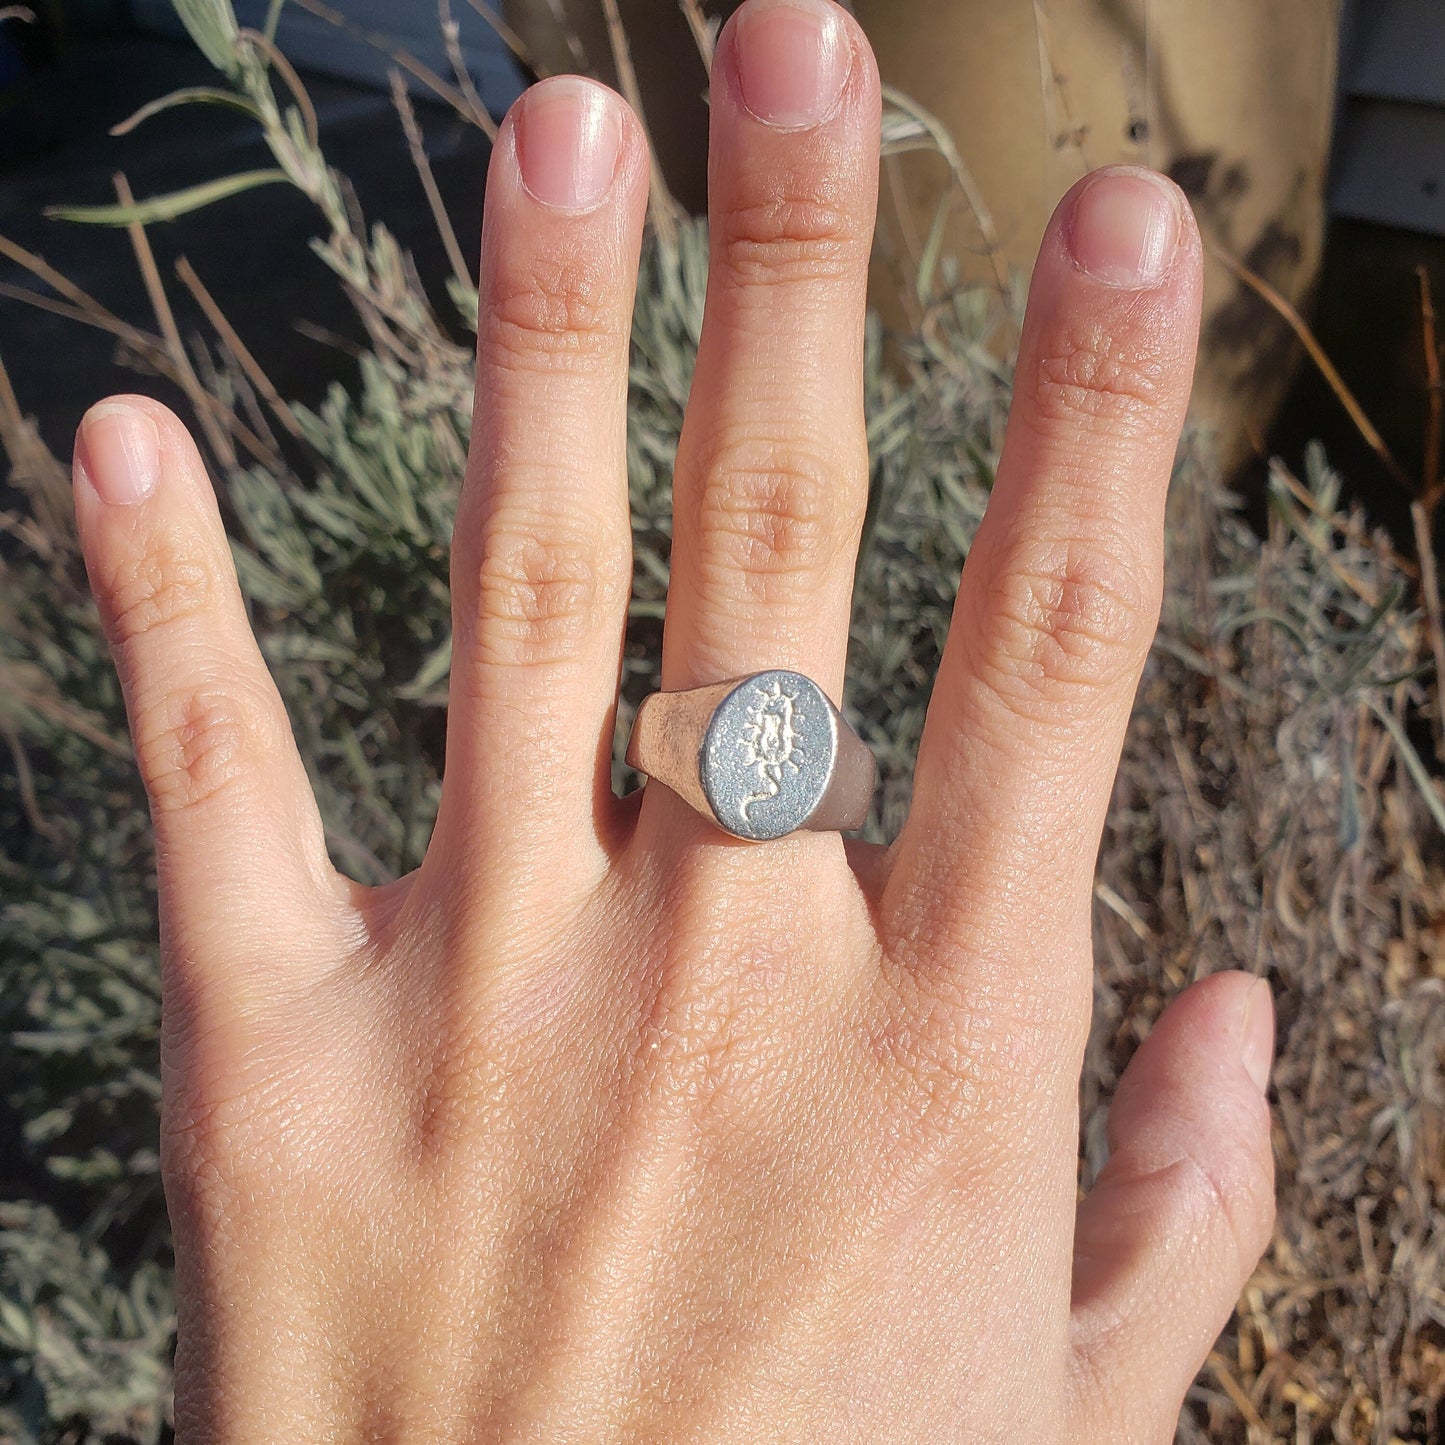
(760, 756)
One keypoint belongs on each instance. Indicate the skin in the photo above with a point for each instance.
(605, 1127)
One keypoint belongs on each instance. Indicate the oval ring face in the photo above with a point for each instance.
(769, 754)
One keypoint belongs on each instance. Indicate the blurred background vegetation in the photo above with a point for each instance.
(1279, 806)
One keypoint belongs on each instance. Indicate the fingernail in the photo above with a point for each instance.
(569, 138)
(1256, 1050)
(793, 59)
(119, 453)
(1125, 226)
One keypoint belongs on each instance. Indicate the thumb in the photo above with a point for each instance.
(1179, 1215)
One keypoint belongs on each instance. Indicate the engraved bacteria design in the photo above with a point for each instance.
(770, 740)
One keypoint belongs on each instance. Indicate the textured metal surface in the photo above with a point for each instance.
(761, 756)
(769, 755)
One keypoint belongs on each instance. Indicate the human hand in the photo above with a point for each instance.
(603, 1126)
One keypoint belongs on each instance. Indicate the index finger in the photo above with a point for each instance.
(1057, 606)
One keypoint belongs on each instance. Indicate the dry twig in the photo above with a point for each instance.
(569, 34)
(702, 31)
(283, 67)
(155, 351)
(417, 146)
(25, 784)
(660, 203)
(408, 62)
(216, 433)
(238, 348)
(452, 41)
(933, 135)
(508, 36)
(1317, 354)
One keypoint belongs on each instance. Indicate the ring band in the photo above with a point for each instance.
(760, 756)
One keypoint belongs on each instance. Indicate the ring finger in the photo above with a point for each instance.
(771, 478)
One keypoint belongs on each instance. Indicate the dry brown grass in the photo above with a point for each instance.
(1266, 818)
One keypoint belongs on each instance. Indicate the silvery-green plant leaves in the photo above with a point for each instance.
(168, 207)
(211, 24)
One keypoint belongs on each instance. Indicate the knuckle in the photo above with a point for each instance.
(1069, 621)
(1086, 376)
(167, 583)
(539, 600)
(195, 746)
(549, 315)
(786, 237)
(1235, 1190)
(773, 515)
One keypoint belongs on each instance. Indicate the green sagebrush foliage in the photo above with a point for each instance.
(344, 558)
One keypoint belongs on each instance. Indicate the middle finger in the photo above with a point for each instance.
(772, 468)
